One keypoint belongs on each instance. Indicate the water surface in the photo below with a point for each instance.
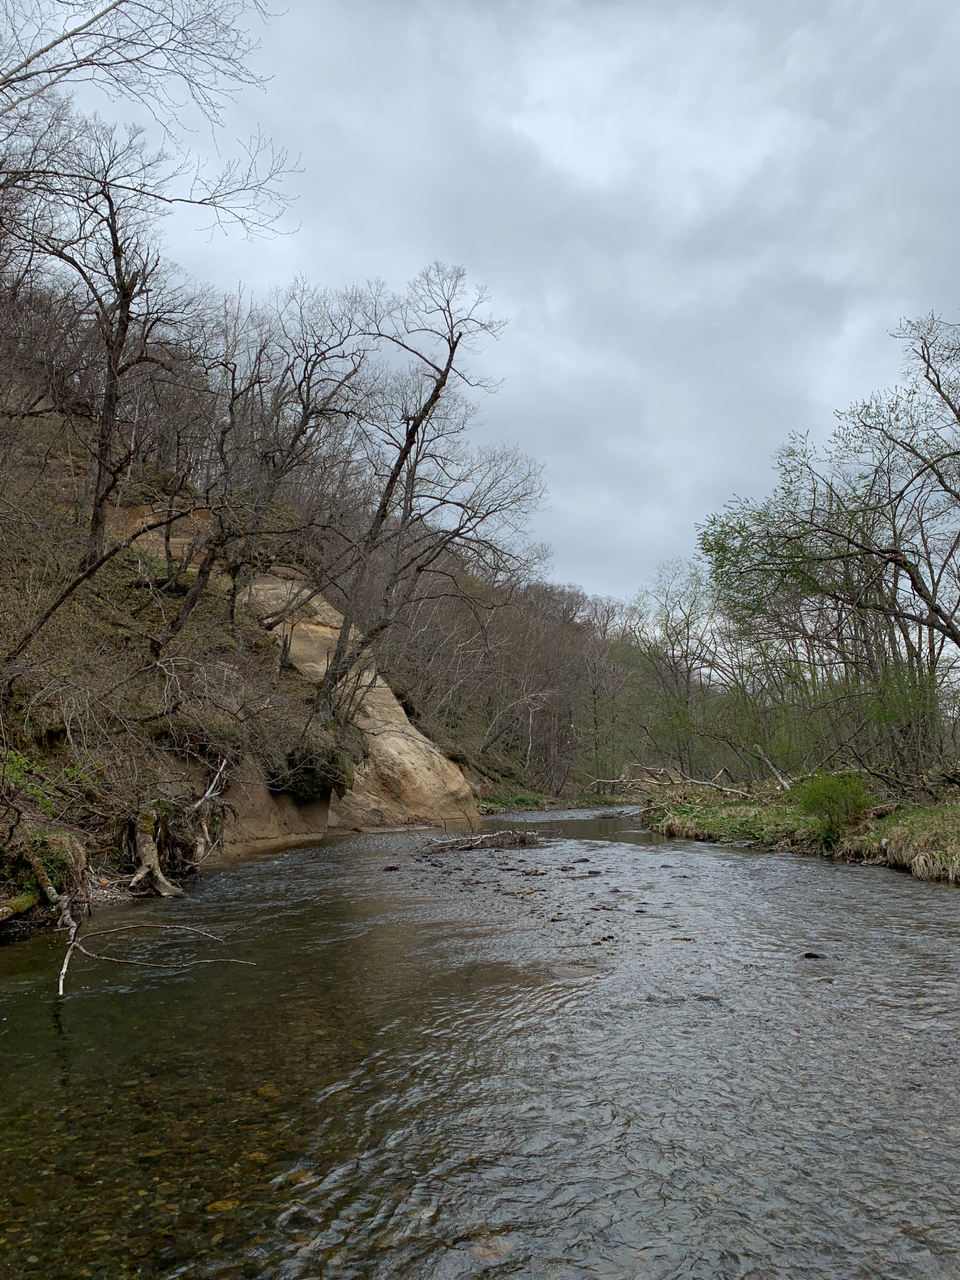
(612, 1056)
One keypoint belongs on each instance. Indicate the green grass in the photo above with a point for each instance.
(921, 838)
(507, 799)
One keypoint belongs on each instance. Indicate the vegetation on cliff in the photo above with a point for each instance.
(162, 447)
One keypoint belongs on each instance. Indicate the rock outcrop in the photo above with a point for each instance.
(404, 779)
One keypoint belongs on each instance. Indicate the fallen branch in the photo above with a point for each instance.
(727, 791)
(62, 902)
(656, 776)
(211, 791)
(625, 786)
(489, 840)
(83, 577)
(75, 944)
(784, 782)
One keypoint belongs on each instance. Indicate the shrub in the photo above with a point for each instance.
(836, 800)
(312, 775)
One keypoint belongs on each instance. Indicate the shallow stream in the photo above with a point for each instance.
(610, 1056)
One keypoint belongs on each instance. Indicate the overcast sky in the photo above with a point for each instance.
(701, 219)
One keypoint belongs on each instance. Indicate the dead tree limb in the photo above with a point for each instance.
(76, 944)
(784, 783)
(16, 905)
(62, 902)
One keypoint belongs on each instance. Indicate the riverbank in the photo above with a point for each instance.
(923, 839)
(213, 753)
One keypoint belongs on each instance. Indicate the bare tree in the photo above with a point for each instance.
(431, 493)
(91, 233)
(156, 52)
(143, 50)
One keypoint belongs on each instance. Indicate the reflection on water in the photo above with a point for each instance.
(492, 1066)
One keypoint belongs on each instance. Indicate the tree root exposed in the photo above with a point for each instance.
(150, 870)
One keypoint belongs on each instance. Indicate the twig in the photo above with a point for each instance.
(489, 840)
(74, 944)
(727, 791)
(152, 964)
(62, 902)
(187, 928)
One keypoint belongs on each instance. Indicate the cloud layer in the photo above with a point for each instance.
(701, 219)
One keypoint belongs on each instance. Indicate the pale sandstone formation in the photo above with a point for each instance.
(404, 779)
(260, 821)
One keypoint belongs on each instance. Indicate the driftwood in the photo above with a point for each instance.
(656, 777)
(62, 902)
(727, 791)
(489, 840)
(75, 944)
(205, 845)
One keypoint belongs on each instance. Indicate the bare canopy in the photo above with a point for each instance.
(147, 50)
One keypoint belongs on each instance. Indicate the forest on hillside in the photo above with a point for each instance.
(162, 444)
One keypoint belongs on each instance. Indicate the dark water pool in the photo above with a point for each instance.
(607, 1057)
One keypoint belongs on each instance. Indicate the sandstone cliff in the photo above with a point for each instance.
(403, 779)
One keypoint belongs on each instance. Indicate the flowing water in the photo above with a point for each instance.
(611, 1056)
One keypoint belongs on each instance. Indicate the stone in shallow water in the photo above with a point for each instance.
(492, 1249)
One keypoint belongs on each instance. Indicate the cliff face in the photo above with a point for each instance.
(403, 779)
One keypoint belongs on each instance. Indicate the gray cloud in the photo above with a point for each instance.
(701, 219)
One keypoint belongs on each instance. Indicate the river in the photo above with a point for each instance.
(609, 1056)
